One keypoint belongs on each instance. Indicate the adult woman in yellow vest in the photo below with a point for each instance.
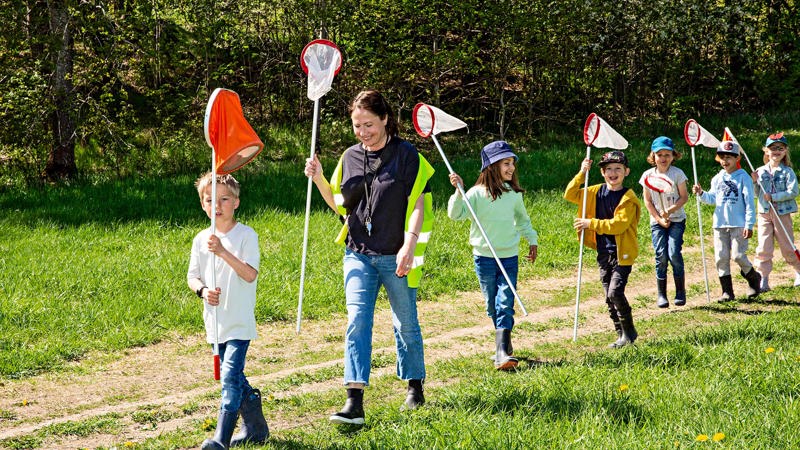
(380, 188)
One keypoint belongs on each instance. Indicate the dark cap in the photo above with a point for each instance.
(613, 157)
(495, 151)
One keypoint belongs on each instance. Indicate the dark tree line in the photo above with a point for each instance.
(125, 82)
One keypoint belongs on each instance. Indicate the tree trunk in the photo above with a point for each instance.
(61, 160)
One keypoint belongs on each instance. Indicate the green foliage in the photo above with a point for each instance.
(142, 72)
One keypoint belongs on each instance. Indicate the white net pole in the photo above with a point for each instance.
(580, 254)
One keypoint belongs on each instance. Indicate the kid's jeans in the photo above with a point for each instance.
(729, 242)
(496, 291)
(667, 245)
(232, 356)
(363, 277)
(769, 231)
(614, 278)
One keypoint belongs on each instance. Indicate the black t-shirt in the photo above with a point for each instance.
(607, 202)
(396, 165)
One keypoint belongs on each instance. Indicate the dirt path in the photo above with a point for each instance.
(176, 372)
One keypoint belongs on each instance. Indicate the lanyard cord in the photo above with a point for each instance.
(371, 184)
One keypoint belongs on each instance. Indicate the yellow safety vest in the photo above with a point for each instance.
(424, 174)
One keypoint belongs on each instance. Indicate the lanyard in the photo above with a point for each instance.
(371, 187)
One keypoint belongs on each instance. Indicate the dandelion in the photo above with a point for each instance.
(129, 444)
(701, 438)
(623, 387)
(24, 402)
(769, 350)
(208, 425)
(718, 437)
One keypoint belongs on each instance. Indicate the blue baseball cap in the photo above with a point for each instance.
(777, 137)
(496, 151)
(662, 143)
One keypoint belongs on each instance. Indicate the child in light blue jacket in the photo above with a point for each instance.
(780, 189)
(734, 217)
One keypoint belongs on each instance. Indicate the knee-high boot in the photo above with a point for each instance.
(254, 428)
(226, 422)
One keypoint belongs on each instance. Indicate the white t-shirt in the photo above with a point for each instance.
(677, 176)
(236, 310)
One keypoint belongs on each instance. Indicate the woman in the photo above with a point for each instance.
(380, 187)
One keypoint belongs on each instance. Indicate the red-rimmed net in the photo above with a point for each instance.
(430, 120)
(321, 61)
(598, 133)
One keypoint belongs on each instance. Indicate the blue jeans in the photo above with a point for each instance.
(496, 292)
(667, 246)
(232, 356)
(363, 277)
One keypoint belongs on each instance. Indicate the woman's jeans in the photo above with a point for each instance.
(363, 277)
(667, 246)
(232, 356)
(496, 291)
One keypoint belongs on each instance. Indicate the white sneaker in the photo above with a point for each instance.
(796, 279)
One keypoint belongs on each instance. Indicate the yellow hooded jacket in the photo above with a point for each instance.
(622, 226)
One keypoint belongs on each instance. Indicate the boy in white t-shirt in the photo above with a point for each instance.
(234, 247)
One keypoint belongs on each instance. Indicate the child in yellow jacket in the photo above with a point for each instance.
(612, 218)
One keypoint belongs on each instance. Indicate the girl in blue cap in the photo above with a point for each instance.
(497, 202)
(780, 189)
(667, 218)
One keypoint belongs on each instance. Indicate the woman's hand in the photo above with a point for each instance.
(405, 257)
(313, 168)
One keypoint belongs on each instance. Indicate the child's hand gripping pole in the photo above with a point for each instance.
(771, 205)
(694, 135)
(480, 227)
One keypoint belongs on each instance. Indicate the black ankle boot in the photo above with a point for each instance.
(353, 411)
(415, 397)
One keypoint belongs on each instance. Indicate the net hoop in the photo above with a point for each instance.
(697, 135)
(659, 183)
(321, 61)
(597, 132)
(228, 133)
(430, 120)
(421, 109)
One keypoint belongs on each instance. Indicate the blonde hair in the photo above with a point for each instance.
(651, 158)
(226, 180)
(786, 161)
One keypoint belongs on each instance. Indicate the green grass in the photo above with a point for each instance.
(104, 262)
(734, 379)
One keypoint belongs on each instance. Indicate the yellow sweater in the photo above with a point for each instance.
(622, 226)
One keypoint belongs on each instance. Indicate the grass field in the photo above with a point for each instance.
(100, 267)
